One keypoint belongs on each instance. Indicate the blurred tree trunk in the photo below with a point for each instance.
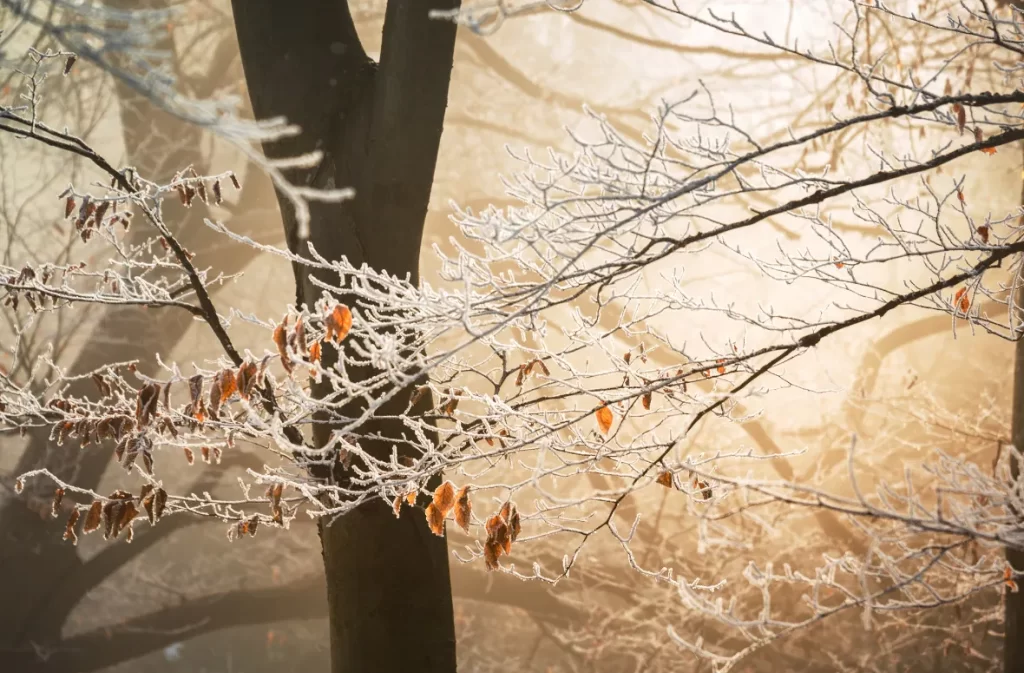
(379, 127)
(46, 577)
(1013, 639)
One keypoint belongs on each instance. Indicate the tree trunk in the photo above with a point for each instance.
(379, 126)
(1013, 638)
(49, 571)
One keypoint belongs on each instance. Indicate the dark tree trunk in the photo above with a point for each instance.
(1013, 639)
(388, 585)
(1013, 643)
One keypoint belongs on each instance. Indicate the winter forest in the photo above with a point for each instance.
(567, 336)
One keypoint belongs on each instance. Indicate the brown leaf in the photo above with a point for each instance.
(146, 403)
(515, 526)
(93, 517)
(396, 506)
(665, 479)
(604, 419)
(444, 498)
(463, 509)
(102, 384)
(300, 336)
(492, 550)
(418, 394)
(128, 514)
(159, 503)
(245, 379)
(69, 527)
(646, 400)
(435, 519)
(961, 117)
(195, 389)
(58, 497)
(281, 340)
(189, 456)
(338, 323)
(703, 488)
(983, 233)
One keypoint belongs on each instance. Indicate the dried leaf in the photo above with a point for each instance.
(410, 497)
(58, 497)
(604, 419)
(646, 400)
(396, 506)
(69, 527)
(146, 404)
(961, 301)
(435, 519)
(665, 479)
(463, 508)
(444, 498)
(69, 63)
(93, 518)
(492, 550)
(961, 117)
(983, 233)
(102, 384)
(159, 503)
(189, 456)
(281, 340)
(195, 389)
(338, 323)
(314, 352)
(245, 379)
(300, 336)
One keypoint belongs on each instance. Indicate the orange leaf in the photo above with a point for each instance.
(435, 519)
(664, 479)
(314, 352)
(604, 419)
(962, 301)
(721, 368)
(444, 498)
(646, 400)
(339, 322)
(988, 150)
(463, 508)
(282, 345)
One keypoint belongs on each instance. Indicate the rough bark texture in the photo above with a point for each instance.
(388, 585)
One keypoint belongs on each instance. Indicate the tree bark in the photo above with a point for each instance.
(379, 126)
(1013, 638)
